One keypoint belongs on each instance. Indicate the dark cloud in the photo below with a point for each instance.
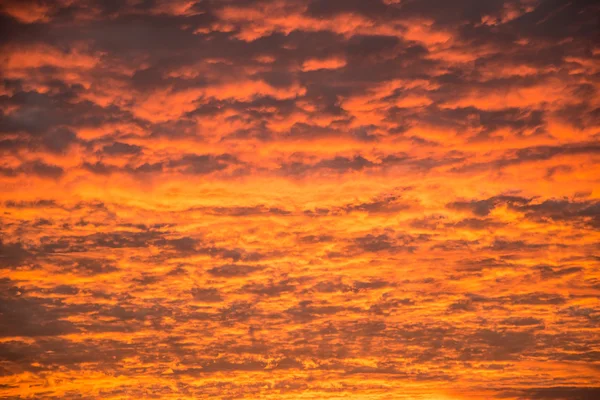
(203, 164)
(43, 170)
(522, 321)
(13, 254)
(548, 272)
(372, 243)
(337, 164)
(233, 270)
(209, 295)
(270, 289)
(385, 204)
(385, 242)
(23, 315)
(327, 9)
(36, 168)
(118, 148)
(557, 393)
(49, 114)
(532, 154)
(550, 210)
(59, 140)
(90, 266)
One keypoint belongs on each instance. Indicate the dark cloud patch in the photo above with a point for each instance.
(246, 211)
(114, 240)
(530, 299)
(422, 164)
(555, 393)
(118, 148)
(337, 164)
(548, 272)
(308, 310)
(505, 245)
(23, 315)
(46, 352)
(316, 239)
(503, 344)
(184, 244)
(36, 168)
(222, 365)
(203, 164)
(384, 204)
(333, 286)
(43, 170)
(477, 224)
(59, 140)
(581, 115)
(13, 254)
(233, 254)
(368, 48)
(554, 19)
(374, 243)
(331, 8)
(100, 168)
(522, 321)
(55, 114)
(42, 222)
(67, 290)
(238, 311)
(444, 14)
(532, 154)
(547, 211)
(563, 210)
(41, 203)
(482, 123)
(304, 131)
(270, 289)
(91, 266)
(146, 279)
(536, 299)
(208, 295)
(462, 306)
(233, 270)
(133, 34)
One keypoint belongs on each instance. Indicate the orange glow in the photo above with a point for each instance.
(308, 199)
(314, 64)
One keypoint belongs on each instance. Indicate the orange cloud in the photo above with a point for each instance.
(327, 63)
(309, 199)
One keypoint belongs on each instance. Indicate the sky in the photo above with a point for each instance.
(301, 199)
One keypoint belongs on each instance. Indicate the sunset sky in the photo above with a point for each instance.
(300, 199)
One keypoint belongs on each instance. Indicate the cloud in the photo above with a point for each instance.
(233, 270)
(561, 393)
(209, 295)
(275, 199)
(118, 148)
(13, 254)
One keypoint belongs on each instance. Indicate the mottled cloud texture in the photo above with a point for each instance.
(301, 199)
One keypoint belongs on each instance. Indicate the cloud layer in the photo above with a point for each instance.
(318, 199)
